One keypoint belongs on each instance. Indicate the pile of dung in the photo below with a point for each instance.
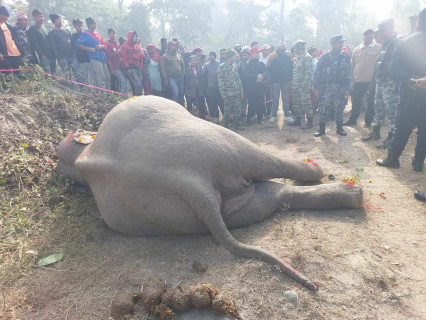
(163, 301)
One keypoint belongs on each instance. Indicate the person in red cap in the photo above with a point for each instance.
(252, 75)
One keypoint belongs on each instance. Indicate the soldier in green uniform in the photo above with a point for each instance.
(231, 90)
(301, 86)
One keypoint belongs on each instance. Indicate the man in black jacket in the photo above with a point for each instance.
(10, 53)
(408, 67)
(252, 76)
(60, 42)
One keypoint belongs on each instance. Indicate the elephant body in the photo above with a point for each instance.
(155, 169)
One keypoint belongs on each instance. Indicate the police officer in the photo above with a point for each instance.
(301, 85)
(332, 82)
(231, 90)
(387, 90)
(409, 67)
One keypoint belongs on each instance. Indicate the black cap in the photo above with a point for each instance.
(339, 38)
(90, 21)
(53, 17)
(4, 11)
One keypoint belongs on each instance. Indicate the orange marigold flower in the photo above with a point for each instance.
(79, 140)
(93, 136)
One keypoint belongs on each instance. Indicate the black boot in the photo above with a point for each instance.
(420, 196)
(309, 124)
(321, 131)
(418, 162)
(391, 160)
(296, 123)
(374, 135)
(385, 143)
(339, 129)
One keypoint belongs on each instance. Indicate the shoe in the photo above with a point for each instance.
(272, 120)
(349, 123)
(321, 131)
(296, 123)
(309, 124)
(385, 143)
(374, 135)
(420, 196)
(4, 90)
(289, 119)
(260, 122)
(391, 161)
(417, 163)
(238, 128)
(340, 131)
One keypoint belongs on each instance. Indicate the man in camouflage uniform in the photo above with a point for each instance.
(231, 90)
(332, 82)
(387, 90)
(301, 85)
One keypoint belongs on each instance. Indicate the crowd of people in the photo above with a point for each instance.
(246, 83)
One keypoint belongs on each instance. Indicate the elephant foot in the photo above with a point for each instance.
(327, 196)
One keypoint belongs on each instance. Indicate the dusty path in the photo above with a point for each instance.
(369, 263)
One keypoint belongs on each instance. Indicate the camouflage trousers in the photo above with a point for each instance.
(302, 101)
(232, 110)
(386, 103)
(332, 103)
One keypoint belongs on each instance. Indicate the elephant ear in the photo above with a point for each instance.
(84, 137)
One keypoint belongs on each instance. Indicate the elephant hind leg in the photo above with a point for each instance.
(208, 210)
(268, 198)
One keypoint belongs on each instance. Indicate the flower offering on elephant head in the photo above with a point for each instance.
(84, 137)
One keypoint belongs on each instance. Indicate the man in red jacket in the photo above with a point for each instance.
(132, 56)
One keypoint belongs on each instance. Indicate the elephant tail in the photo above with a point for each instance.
(212, 218)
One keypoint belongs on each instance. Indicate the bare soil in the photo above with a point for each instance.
(370, 264)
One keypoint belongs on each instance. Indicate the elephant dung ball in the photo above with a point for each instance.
(179, 298)
(163, 312)
(152, 292)
(122, 304)
(225, 306)
(202, 295)
(200, 267)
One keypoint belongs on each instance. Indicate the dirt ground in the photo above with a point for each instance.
(370, 264)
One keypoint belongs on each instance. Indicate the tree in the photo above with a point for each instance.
(188, 20)
(136, 19)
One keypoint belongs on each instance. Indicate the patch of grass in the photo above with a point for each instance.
(39, 212)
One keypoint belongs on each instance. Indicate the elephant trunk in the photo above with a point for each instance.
(68, 152)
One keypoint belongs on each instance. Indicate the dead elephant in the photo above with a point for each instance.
(154, 169)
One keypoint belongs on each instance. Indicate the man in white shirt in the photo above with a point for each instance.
(363, 62)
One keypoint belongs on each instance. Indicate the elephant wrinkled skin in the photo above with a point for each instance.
(154, 169)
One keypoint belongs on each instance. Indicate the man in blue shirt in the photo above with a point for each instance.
(94, 44)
